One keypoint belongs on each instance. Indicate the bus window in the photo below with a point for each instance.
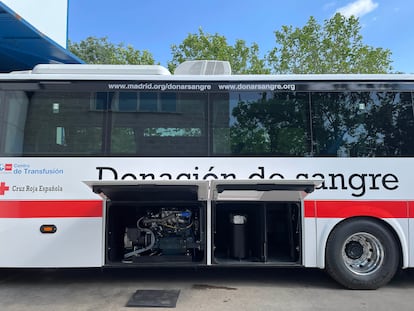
(148, 102)
(362, 124)
(13, 111)
(62, 123)
(127, 101)
(123, 140)
(248, 123)
(165, 124)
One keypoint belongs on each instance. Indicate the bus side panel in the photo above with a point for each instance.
(411, 242)
(401, 228)
(411, 230)
(77, 242)
(309, 239)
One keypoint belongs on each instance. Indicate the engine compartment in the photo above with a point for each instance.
(142, 229)
(145, 233)
(163, 232)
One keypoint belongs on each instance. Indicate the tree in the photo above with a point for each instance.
(99, 51)
(335, 47)
(198, 46)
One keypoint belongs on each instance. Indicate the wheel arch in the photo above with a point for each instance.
(398, 228)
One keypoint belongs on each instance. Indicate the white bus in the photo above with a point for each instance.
(131, 166)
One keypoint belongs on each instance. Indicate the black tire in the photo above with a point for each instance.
(362, 253)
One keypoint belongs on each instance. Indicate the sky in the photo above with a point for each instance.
(157, 24)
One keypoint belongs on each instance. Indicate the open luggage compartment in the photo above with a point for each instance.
(256, 223)
(218, 222)
(154, 223)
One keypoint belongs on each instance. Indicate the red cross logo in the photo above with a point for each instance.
(3, 188)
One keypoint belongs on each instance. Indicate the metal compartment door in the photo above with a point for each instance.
(130, 190)
(262, 190)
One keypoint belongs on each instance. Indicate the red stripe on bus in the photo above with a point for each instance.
(48, 209)
(411, 209)
(309, 208)
(345, 209)
(320, 209)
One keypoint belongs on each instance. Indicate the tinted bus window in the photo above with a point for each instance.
(261, 123)
(362, 124)
(42, 123)
(327, 124)
(166, 124)
(63, 123)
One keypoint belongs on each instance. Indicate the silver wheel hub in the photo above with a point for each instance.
(362, 253)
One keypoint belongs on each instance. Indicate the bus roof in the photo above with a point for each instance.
(159, 73)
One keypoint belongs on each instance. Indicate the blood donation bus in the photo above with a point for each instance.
(131, 166)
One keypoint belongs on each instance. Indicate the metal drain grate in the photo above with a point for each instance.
(154, 298)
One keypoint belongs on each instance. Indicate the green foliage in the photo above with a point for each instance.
(335, 47)
(199, 46)
(99, 51)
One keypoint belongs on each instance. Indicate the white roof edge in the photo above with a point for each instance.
(292, 77)
(328, 77)
(96, 69)
(158, 73)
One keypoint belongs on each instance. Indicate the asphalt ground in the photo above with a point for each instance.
(202, 289)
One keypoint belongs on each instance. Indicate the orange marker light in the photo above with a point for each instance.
(48, 229)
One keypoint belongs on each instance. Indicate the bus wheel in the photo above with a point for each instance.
(362, 254)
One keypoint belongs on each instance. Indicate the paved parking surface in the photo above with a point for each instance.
(205, 289)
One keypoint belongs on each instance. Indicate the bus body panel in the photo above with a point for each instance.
(77, 242)
(63, 193)
(310, 246)
(411, 243)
